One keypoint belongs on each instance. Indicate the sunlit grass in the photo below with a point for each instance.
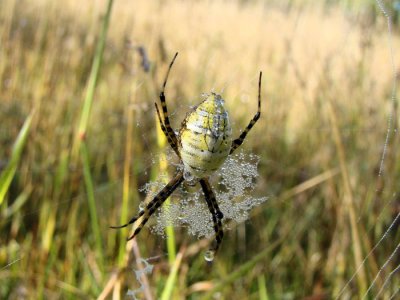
(318, 162)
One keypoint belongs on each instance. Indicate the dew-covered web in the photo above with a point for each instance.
(233, 186)
(147, 270)
(388, 272)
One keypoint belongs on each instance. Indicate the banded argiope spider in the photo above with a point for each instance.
(203, 143)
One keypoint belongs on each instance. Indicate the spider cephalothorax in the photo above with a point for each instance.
(203, 144)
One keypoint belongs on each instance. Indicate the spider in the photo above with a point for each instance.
(203, 143)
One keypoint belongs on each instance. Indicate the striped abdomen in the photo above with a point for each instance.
(205, 138)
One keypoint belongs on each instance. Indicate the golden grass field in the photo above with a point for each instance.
(326, 106)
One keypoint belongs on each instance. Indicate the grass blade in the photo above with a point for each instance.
(163, 166)
(9, 172)
(169, 286)
(94, 221)
(262, 290)
(94, 75)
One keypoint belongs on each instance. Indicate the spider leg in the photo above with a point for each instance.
(170, 140)
(167, 125)
(153, 205)
(236, 143)
(214, 210)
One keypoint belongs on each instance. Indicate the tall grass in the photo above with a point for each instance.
(8, 173)
(320, 136)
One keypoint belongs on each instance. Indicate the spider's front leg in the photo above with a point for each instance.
(153, 205)
(214, 210)
(171, 142)
(236, 143)
(164, 121)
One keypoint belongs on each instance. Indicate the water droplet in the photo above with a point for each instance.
(189, 178)
(187, 175)
(209, 255)
(141, 206)
(182, 219)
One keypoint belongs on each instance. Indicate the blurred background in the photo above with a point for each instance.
(74, 150)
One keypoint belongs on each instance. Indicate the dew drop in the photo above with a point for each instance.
(182, 219)
(187, 175)
(209, 255)
(141, 206)
(189, 178)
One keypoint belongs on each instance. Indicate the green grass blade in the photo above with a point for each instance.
(163, 166)
(169, 286)
(94, 221)
(262, 290)
(94, 75)
(9, 172)
(126, 187)
(171, 244)
(18, 203)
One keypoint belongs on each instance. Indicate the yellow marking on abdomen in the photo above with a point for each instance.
(205, 137)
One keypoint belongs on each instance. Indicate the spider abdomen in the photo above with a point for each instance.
(205, 137)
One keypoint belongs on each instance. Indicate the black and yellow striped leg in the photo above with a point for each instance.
(236, 143)
(215, 212)
(171, 136)
(170, 140)
(153, 205)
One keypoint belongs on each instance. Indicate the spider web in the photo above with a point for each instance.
(147, 270)
(388, 269)
(236, 181)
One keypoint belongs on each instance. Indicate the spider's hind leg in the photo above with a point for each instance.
(215, 212)
(153, 205)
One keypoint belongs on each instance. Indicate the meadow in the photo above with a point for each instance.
(79, 137)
